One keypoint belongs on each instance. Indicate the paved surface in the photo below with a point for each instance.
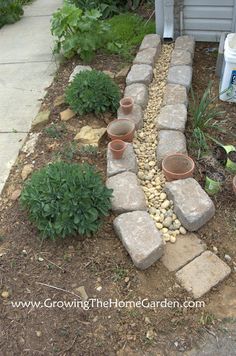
(27, 67)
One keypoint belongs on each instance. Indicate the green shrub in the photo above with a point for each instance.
(78, 32)
(127, 31)
(92, 91)
(65, 199)
(10, 11)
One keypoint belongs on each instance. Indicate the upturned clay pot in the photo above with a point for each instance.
(234, 184)
(214, 182)
(121, 129)
(117, 148)
(127, 105)
(231, 161)
(177, 166)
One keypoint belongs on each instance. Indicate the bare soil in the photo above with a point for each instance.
(100, 261)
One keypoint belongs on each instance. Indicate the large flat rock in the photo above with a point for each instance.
(151, 41)
(78, 69)
(181, 57)
(175, 94)
(192, 205)
(147, 56)
(140, 73)
(180, 75)
(170, 141)
(139, 92)
(128, 162)
(140, 237)
(172, 117)
(127, 193)
(186, 43)
(136, 116)
(202, 274)
(185, 249)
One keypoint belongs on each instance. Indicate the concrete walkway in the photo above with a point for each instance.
(27, 67)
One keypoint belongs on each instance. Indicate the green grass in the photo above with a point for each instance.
(127, 32)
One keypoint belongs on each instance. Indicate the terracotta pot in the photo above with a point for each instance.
(117, 148)
(177, 166)
(127, 105)
(121, 129)
(234, 184)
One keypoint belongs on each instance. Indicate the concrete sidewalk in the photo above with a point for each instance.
(27, 67)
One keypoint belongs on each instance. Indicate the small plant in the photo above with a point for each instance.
(78, 32)
(204, 112)
(92, 91)
(65, 199)
(55, 131)
(10, 11)
(88, 150)
(67, 152)
(119, 273)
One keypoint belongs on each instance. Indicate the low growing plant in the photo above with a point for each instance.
(10, 11)
(65, 199)
(92, 91)
(78, 31)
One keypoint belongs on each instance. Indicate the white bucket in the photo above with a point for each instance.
(228, 76)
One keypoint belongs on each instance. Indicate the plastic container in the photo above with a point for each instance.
(228, 76)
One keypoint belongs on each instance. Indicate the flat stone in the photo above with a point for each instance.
(59, 100)
(127, 193)
(192, 205)
(181, 57)
(90, 136)
(128, 162)
(140, 237)
(186, 43)
(30, 144)
(185, 249)
(151, 41)
(67, 114)
(78, 69)
(136, 116)
(175, 94)
(123, 72)
(140, 73)
(109, 73)
(139, 92)
(41, 118)
(147, 56)
(172, 117)
(180, 75)
(202, 274)
(170, 141)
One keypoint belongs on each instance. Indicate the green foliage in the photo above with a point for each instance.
(10, 11)
(55, 131)
(68, 152)
(204, 112)
(88, 150)
(127, 31)
(65, 199)
(92, 91)
(78, 32)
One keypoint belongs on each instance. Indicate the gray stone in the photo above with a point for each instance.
(181, 58)
(30, 144)
(186, 43)
(128, 162)
(172, 117)
(151, 41)
(180, 75)
(140, 73)
(136, 116)
(175, 94)
(192, 205)
(127, 193)
(202, 274)
(147, 56)
(140, 237)
(78, 69)
(139, 92)
(41, 118)
(170, 141)
(182, 252)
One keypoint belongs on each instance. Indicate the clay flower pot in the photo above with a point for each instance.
(117, 148)
(121, 129)
(231, 161)
(234, 184)
(177, 166)
(214, 182)
(127, 105)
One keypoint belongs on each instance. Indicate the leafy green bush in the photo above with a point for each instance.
(127, 31)
(10, 11)
(78, 32)
(64, 199)
(92, 91)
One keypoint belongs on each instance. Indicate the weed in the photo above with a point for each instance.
(55, 131)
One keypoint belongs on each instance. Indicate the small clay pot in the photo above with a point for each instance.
(117, 148)
(177, 166)
(214, 182)
(127, 105)
(121, 129)
(234, 184)
(231, 161)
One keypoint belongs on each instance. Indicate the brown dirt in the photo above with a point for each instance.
(92, 262)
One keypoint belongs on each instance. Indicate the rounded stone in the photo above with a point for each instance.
(172, 239)
(162, 196)
(167, 222)
(182, 230)
(159, 226)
